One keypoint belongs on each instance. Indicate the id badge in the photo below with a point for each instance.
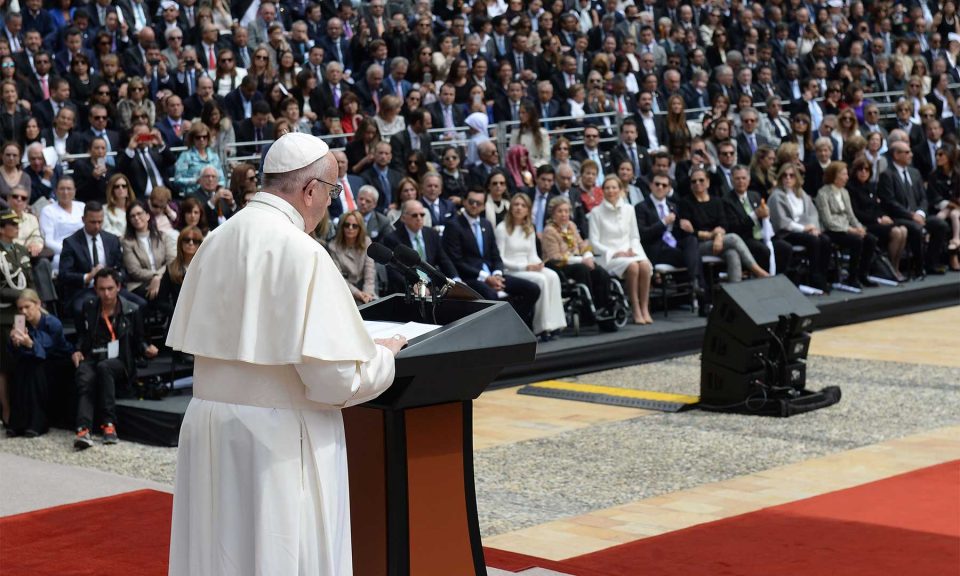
(113, 349)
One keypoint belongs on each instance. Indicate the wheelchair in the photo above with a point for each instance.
(580, 308)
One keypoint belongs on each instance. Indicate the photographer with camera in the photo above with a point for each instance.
(146, 159)
(109, 340)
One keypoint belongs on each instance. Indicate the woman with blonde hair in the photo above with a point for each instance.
(136, 100)
(188, 242)
(199, 155)
(795, 219)
(120, 196)
(517, 243)
(349, 252)
(615, 235)
(388, 118)
(42, 339)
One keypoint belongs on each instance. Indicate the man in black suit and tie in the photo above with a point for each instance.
(541, 195)
(256, 128)
(471, 245)
(146, 160)
(442, 210)
(330, 88)
(134, 58)
(669, 239)
(925, 155)
(98, 129)
(411, 232)
(46, 111)
(86, 252)
(749, 138)
(489, 161)
(523, 61)
(239, 102)
(901, 193)
(414, 138)
(627, 149)
(745, 214)
(504, 109)
(446, 113)
(382, 177)
(217, 201)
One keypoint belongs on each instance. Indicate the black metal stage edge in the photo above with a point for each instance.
(605, 352)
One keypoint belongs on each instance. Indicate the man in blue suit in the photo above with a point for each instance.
(86, 252)
(470, 243)
(395, 83)
(442, 210)
(335, 46)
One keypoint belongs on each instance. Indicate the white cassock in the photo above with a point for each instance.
(261, 483)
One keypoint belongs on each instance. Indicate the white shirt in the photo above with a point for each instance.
(651, 128)
(56, 224)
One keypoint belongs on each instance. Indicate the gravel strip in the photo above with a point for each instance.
(536, 481)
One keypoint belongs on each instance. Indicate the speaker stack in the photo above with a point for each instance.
(755, 351)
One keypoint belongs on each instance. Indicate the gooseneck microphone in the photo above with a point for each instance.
(383, 255)
(409, 257)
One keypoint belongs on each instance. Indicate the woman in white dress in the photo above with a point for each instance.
(517, 243)
(614, 234)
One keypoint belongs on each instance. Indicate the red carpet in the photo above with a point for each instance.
(904, 525)
(124, 534)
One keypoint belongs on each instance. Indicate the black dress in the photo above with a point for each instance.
(704, 216)
(28, 394)
(867, 209)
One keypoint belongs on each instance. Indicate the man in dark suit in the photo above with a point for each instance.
(73, 45)
(330, 88)
(46, 111)
(524, 62)
(925, 155)
(627, 149)
(749, 138)
(63, 130)
(36, 18)
(133, 59)
(382, 177)
(651, 130)
(504, 109)
(901, 193)
(239, 102)
(146, 160)
(256, 128)
(370, 89)
(442, 210)
(217, 201)
(411, 232)
(203, 93)
(471, 245)
(173, 127)
(86, 252)
(668, 239)
(414, 138)
(745, 214)
(97, 118)
(489, 161)
(347, 202)
(335, 46)
(446, 113)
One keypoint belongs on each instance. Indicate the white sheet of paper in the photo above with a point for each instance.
(409, 330)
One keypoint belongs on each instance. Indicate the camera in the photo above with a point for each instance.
(153, 62)
(190, 63)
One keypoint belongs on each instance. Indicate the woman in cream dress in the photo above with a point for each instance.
(517, 243)
(614, 234)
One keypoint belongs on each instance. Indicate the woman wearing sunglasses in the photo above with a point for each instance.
(349, 252)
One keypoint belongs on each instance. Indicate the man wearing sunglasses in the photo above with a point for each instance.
(279, 349)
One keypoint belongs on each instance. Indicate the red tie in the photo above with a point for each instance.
(46, 88)
(620, 104)
(348, 196)
(212, 60)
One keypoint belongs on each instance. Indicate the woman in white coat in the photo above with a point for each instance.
(614, 234)
(517, 243)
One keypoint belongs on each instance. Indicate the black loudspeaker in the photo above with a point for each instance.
(748, 310)
(755, 349)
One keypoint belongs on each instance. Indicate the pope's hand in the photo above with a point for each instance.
(392, 344)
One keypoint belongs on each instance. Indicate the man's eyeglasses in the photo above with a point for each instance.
(335, 189)
(472, 202)
(98, 117)
(661, 184)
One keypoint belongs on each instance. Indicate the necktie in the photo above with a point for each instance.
(347, 33)
(45, 87)
(516, 112)
(379, 26)
(726, 176)
(753, 143)
(501, 49)
(95, 252)
(385, 184)
(478, 234)
(435, 212)
(906, 177)
(538, 212)
(152, 180)
(190, 86)
(339, 51)
(211, 59)
(634, 160)
(348, 195)
(176, 128)
(110, 159)
(399, 89)
(448, 117)
(336, 96)
(668, 237)
(420, 250)
(757, 231)
(519, 63)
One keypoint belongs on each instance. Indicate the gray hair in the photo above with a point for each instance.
(374, 68)
(823, 141)
(333, 64)
(298, 179)
(171, 31)
(368, 189)
(397, 62)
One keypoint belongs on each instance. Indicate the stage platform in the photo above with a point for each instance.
(680, 333)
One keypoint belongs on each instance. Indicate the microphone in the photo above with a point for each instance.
(382, 255)
(411, 258)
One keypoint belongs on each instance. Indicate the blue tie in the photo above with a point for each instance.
(478, 233)
(385, 184)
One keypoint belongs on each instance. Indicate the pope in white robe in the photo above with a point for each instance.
(279, 346)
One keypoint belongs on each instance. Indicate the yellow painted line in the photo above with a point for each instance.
(613, 391)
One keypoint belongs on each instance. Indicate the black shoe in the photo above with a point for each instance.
(937, 270)
(30, 433)
(868, 282)
(83, 439)
(853, 283)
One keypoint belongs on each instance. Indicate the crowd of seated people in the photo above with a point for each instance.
(636, 136)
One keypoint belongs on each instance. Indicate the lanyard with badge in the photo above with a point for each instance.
(113, 347)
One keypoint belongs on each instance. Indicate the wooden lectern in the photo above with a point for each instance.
(413, 506)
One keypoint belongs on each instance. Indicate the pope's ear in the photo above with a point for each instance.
(308, 193)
